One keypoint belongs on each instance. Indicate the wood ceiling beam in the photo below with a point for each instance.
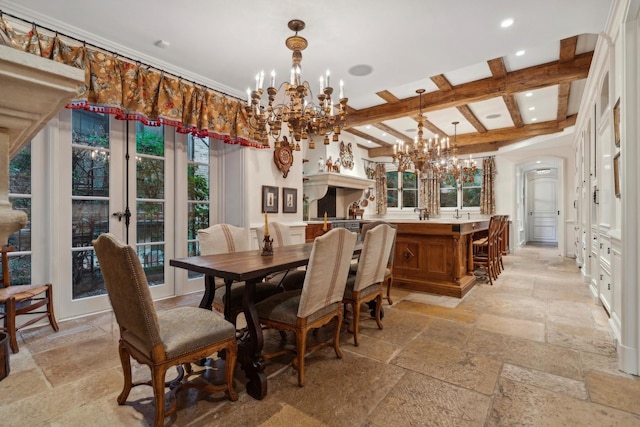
(388, 96)
(567, 53)
(356, 132)
(494, 139)
(535, 77)
(443, 84)
(391, 131)
(499, 70)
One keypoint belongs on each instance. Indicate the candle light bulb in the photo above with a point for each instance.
(321, 84)
(248, 96)
(328, 74)
(273, 78)
(341, 89)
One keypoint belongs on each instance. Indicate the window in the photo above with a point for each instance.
(402, 189)
(20, 198)
(198, 204)
(468, 197)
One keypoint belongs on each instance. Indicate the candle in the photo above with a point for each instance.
(324, 227)
(341, 89)
(273, 78)
(321, 84)
(257, 81)
(248, 96)
(266, 225)
(292, 76)
(328, 74)
(261, 78)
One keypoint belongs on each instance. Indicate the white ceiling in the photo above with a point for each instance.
(223, 44)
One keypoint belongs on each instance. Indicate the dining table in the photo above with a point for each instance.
(250, 267)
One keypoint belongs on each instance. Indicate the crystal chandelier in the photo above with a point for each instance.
(292, 104)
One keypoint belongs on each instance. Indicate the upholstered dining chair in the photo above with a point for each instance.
(318, 302)
(388, 273)
(20, 300)
(174, 337)
(366, 285)
(227, 238)
(281, 235)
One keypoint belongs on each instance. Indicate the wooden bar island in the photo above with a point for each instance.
(436, 256)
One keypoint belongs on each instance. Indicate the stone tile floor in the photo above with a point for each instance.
(534, 349)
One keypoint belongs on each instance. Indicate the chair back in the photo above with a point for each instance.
(222, 239)
(327, 271)
(128, 290)
(280, 233)
(369, 225)
(376, 249)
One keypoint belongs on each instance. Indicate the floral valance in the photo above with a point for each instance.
(133, 91)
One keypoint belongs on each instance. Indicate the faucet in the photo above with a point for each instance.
(424, 213)
(457, 214)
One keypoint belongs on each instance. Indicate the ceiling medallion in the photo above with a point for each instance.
(292, 105)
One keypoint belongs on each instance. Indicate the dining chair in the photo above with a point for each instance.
(281, 235)
(318, 302)
(20, 300)
(227, 238)
(366, 285)
(174, 337)
(388, 274)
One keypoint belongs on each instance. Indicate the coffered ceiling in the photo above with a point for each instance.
(503, 85)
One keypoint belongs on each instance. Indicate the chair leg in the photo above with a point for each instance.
(336, 336)
(230, 364)
(10, 323)
(52, 317)
(125, 360)
(389, 283)
(355, 320)
(379, 310)
(301, 349)
(157, 381)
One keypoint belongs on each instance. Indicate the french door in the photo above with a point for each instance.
(115, 176)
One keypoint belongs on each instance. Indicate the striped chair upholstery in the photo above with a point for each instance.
(318, 302)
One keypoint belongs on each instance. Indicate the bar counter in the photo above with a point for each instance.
(435, 255)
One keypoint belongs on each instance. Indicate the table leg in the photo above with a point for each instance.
(251, 349)
(209, 291)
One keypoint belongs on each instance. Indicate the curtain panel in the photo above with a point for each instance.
(430, 192)
(132, 91)
(381, 189)
(487, 194)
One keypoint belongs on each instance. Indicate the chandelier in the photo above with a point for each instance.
(292, 104)
(436, 158)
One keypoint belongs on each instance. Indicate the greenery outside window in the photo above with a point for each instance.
(402, 189)
(198, 203)
(459, 195)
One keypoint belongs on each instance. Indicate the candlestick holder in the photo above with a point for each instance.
(267, 249)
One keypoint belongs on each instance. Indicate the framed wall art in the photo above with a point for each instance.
(289, 200)
(269, 199)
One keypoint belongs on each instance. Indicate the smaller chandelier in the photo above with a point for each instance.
(451, 165)
(292, 105)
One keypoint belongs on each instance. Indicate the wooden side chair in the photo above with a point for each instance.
(366, 285)
(174, 337)
(318, 302)
(281, 234)
(485, 250)
(23, 299)
(226, 238)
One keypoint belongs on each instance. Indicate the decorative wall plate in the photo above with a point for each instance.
(283, 157)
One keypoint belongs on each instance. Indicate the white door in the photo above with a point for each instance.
(542, 207)
(109, 169)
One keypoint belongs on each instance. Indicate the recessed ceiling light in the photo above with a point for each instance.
(368, 127)
(162, 44)
(528, 94)
(538, 161)
(361, 70)
(534, 119)
(532, 108)
(410, 130)
(494, 116)
(384, 134)
(507, 23)
(520, 53)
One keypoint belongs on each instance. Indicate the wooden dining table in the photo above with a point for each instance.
(250, 267)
